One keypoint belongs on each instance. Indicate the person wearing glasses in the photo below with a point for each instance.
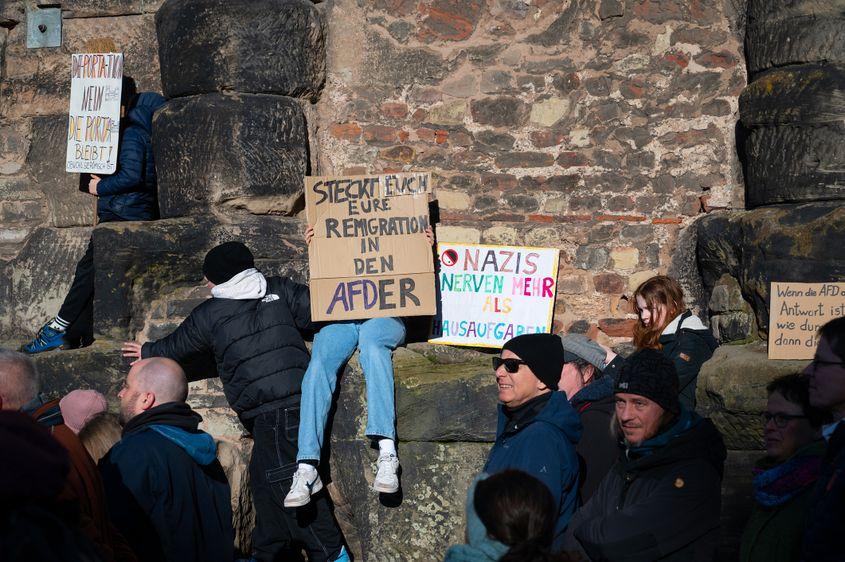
(826, 516)
(784, 478)
(538, 429)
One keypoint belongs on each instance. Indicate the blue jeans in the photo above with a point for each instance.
(333, 346)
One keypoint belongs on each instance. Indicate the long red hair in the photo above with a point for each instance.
(655, 291)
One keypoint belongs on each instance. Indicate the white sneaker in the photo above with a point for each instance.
(306, 481)
(387, 479)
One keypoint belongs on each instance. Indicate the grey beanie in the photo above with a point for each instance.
(579, 346)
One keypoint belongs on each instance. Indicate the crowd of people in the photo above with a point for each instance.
(597, 457)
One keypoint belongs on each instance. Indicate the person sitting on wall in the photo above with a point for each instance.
(590, 391)
(826, 513)
(127, 195)
(252, 327)
(784, 478)
(538, 429)
(665, 324)
(334, 344)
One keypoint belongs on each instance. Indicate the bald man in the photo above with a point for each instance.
(18, 381)
(166, 490)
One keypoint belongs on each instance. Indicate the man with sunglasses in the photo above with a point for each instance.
(538, 429)
(826, 517)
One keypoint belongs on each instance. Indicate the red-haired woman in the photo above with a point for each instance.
(666, 324)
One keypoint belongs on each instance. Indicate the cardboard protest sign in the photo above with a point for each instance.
(796, 312)
(490, 294)
(369, 256)
(94, 120)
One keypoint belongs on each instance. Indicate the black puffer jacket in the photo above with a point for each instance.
(660, 501)
(599, 446)
(257, 344)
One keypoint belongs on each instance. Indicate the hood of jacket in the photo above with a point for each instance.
(690, 437)
(598, 390)
(142, 112)
(690, 323)
(558, 412)
(177, 422)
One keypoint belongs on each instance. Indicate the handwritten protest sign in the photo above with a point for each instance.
(369, 256)
(94, 120)
(796, 313)
(490, 294)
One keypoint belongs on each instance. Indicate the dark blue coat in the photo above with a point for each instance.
(166, 491)
(544, 448)
(130, 193)
(826, 516)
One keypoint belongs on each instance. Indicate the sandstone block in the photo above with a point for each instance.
(732, 391)
(136, 261)
(502, 111)
(231, 151)
(778, 243)
(272, 47)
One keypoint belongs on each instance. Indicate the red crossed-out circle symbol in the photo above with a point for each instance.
(449, 258)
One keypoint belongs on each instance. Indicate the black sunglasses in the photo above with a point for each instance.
(780, 419)
(511, 364)
(816, 363)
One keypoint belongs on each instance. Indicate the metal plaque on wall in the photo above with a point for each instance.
(43, 27)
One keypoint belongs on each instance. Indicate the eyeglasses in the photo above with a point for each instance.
(781, 420)
(816, 363)
(511, 364)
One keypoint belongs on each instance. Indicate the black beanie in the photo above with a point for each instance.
(650, 374)
(542, 353)
(225, 261)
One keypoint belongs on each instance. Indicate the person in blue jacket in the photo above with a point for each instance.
(538, 428)
(127, 195)
(166, 490)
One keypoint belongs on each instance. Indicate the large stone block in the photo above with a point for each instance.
(272, 47)
(99, 366)
(446, 420)
(231, 151)
(100, 8)
(780, 243)
(34, 283)
(46, 166)
(732, 391)
(138, 261)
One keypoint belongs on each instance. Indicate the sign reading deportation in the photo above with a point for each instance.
(369, 256)
(94, 121)
(796, 313)
(490, 294)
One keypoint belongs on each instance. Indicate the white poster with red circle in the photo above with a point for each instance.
(490, 294)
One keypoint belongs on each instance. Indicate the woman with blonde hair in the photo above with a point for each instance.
(100, 434)
(666, 324)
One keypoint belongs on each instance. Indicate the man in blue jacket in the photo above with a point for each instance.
(127, 195)
(166, 490)
(538, 429)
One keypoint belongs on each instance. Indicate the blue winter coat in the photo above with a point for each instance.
(166, 491)
(545, 448)
(130, 193)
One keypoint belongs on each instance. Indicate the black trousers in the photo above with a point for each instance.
(78, 307)
(281, 533)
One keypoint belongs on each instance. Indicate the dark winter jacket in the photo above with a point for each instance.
(660, 501)
(539, 438)
(688, 343)
(256, 343)
(775, 530)
(130, 193)
(826, 515)
(167, 492)
(599, 446)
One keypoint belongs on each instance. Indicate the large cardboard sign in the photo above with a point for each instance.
(490, 294)
(796, 312)
(94, 120)
(369, 256)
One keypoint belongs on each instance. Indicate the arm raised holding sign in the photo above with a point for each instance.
(334, 344)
